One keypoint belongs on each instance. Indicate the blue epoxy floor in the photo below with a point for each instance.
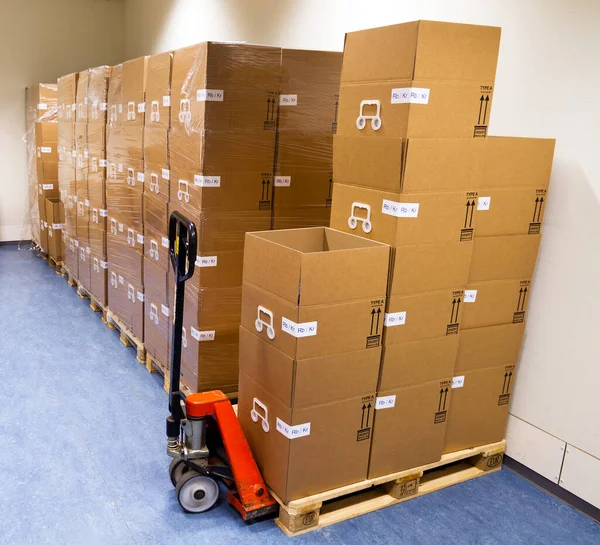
(82, 449)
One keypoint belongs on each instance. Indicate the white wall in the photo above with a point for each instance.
(40, 41)
(546, 86)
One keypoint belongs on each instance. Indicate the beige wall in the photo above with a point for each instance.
(40, 41)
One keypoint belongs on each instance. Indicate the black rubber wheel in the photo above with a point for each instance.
(176, 470)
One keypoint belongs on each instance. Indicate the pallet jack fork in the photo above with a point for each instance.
(204, 436)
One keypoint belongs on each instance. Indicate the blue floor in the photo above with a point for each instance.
(82, 449)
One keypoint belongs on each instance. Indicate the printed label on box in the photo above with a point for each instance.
(57, 226)
(207, 181)
(458, 382)
(74, 153)
(470, 296)
(282, 181)
(120, 167)
(209, 95)
(206, 261)
(166, 100)
(140, 296)
(47, 187)
(121, 227)
(87, 203)
(141, 107)
(306, 329)
(292, 432)
(202, 335)
(385, 402)
(166, 174)
(42, 106)
(103, 213)
(394, 318)
(121, 280)
(86, 154)
(120, 108)
(140, 239)
(46, 149)
(165, 310)
(103, 106)
(410, 95)
(103, 163)
(483, 203)
(288, 100)
(400, 209)
(140, 177)
(165, 242)
(104, 264)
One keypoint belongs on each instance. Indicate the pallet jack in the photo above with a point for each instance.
(204, 436)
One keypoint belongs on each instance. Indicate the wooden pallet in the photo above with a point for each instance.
(52, 263)
(126, 336)
(344, 503)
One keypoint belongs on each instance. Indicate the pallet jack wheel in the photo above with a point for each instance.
(196, 493)
(176, 470)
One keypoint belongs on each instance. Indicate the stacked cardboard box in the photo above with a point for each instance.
(67, 114)
(310, 349)
(42, 136)
(157, 323)
(306, 122)
(124, 193)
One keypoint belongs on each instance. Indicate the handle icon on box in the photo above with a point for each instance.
(82, 254)
(185, 112)
(184, 337)
(361, 120)
(94, 215)
(154, 182)
(130, 111)
(181, 194)
(113, 226)
(94, 164)
(112, 171)
(113, 112)
(260, 323)
(80, 208)
(50, 231)
(113, 279)
(130, 176)
(354, 219)
(154, 314)
(96, 265)
(154, 113)
(130, 237)
(154, 249)
(255, 415)
(71, 245)
(131, 293)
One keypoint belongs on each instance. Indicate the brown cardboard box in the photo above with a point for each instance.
(288, 443)
(404, 219)
(504, 257)
(81, 150)
(299, 296)
(409, 165)
(423, 316)
(157, 181)
(55, 217)
(495, 303)
(83, 82)
(41, 102)
(98, 94)
(156, 239)
(84, 272)
(72, 254)
(124, 201)
(43, 235)
(430, 79)
(97, 239)
(99, 276)
(67, 96)
(409, 427)
(115, 113)
(429, 267)
(126, 300)
(157, 320)
(479, 408)
(133, 88)
(156, 145)
(127, 258)
(484, 347)
(158, 90)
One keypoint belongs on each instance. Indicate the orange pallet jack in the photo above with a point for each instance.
(204, 436)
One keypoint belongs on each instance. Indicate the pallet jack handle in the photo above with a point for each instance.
(183, 242)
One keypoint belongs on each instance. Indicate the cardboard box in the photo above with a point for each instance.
(157, 321)
(479, 408)
(157, 181)
(67, 95)
(84, 273)
(97, 239)
(288, 443)
(124, 202)
(421, 79)
(115, 113)
(299, 296)
(126, 300)
(156, 146)
(55, 217)
(128, 259)
(403, 442)
(43, 235)
(158, 90)
(72, 255)
(41, 102)
(504, 257)
(495, 303)
(484, 347)
(133, 87)
(82, 96)
(423, 315)
(99, 276)
(404, 219)
(156, 236)
(300, 217)
(98, 94)
(412, 165)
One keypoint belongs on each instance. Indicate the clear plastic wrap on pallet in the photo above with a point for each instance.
(41, 137)
(67, 96)
(158, 91)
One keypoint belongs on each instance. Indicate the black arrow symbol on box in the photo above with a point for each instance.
(467, 213)
(440, 401)
(268, 185)
(537, 200)
(273, 109)
(262, 195)
(445, 398)
(508, 385)
(362, 418)
(377, 326)
(472, 210)
(480, 109)
(519, 301)
(336, 111)
(452, 313)
(457, 309)
(487, 99)
(524, 297)
(540, 210)
(368, 413)
(330, 187)
(372, 320)
(268, 108)
(504, 383)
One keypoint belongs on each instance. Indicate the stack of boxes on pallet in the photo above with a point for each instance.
(67, 114)
(42, 157)
(413, 168)
(124, 193)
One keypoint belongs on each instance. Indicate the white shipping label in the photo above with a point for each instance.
(121, 227)
(166, 100)
(103, 106)
(206, 261)
(140, 296)
(166, 174)
(86, 154)
(385, 402)
(394, 318)
(74, 198)
(140, 177)
(104, 264)
(483, 203)
(141, 107)
(47, 187)
(103, 213)
(202, 335)
(88, 250)
(288, 100)
(165, 242)
(207, 181)
(87, 203)
(140, 239)
(410, 95)
(470, 296)
(400, 209)
(74, 153)
(283, 181)
(85, 100)
(120, 108)
(121, 280)
(103, 163)
(77, 243)
(293, 432)
(57, 226)
(46, 149)
(306, 329)
(458, 382)
(165, 310)
(209, 95)
(120, 167)
(42, 106)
